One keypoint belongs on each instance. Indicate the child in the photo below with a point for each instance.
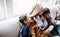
(46, 14)
(25, 27)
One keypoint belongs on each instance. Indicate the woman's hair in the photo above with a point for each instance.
(45, 11)
(36, 8)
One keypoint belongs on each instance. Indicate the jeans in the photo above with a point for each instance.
(55, 31)
(58, 29)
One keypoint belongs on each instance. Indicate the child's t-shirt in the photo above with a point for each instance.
(25, 31)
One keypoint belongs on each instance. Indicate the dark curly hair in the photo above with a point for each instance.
(45, 11)
(23, 19)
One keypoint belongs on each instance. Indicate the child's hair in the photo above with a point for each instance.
(45, 11)
(23, 19)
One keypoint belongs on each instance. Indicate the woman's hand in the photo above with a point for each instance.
(46, 33)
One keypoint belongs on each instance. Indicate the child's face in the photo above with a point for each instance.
(47, 15)
(25, 21)
(29, 20)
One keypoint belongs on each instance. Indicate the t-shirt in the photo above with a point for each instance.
(25, 31)
(40, 23)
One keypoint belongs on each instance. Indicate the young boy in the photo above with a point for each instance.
(46, 14)
(25, 27)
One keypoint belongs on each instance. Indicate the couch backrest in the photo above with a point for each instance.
(10, 28)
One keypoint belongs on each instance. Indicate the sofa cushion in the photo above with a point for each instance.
(9, 28)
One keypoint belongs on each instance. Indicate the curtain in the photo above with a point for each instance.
(13, 8)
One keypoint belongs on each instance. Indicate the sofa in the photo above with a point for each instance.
(10, 27)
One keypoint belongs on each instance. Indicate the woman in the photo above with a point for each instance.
(36, 27)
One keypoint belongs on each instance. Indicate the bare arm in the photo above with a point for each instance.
(50, 28)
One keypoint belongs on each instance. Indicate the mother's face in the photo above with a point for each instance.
(40, 13)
